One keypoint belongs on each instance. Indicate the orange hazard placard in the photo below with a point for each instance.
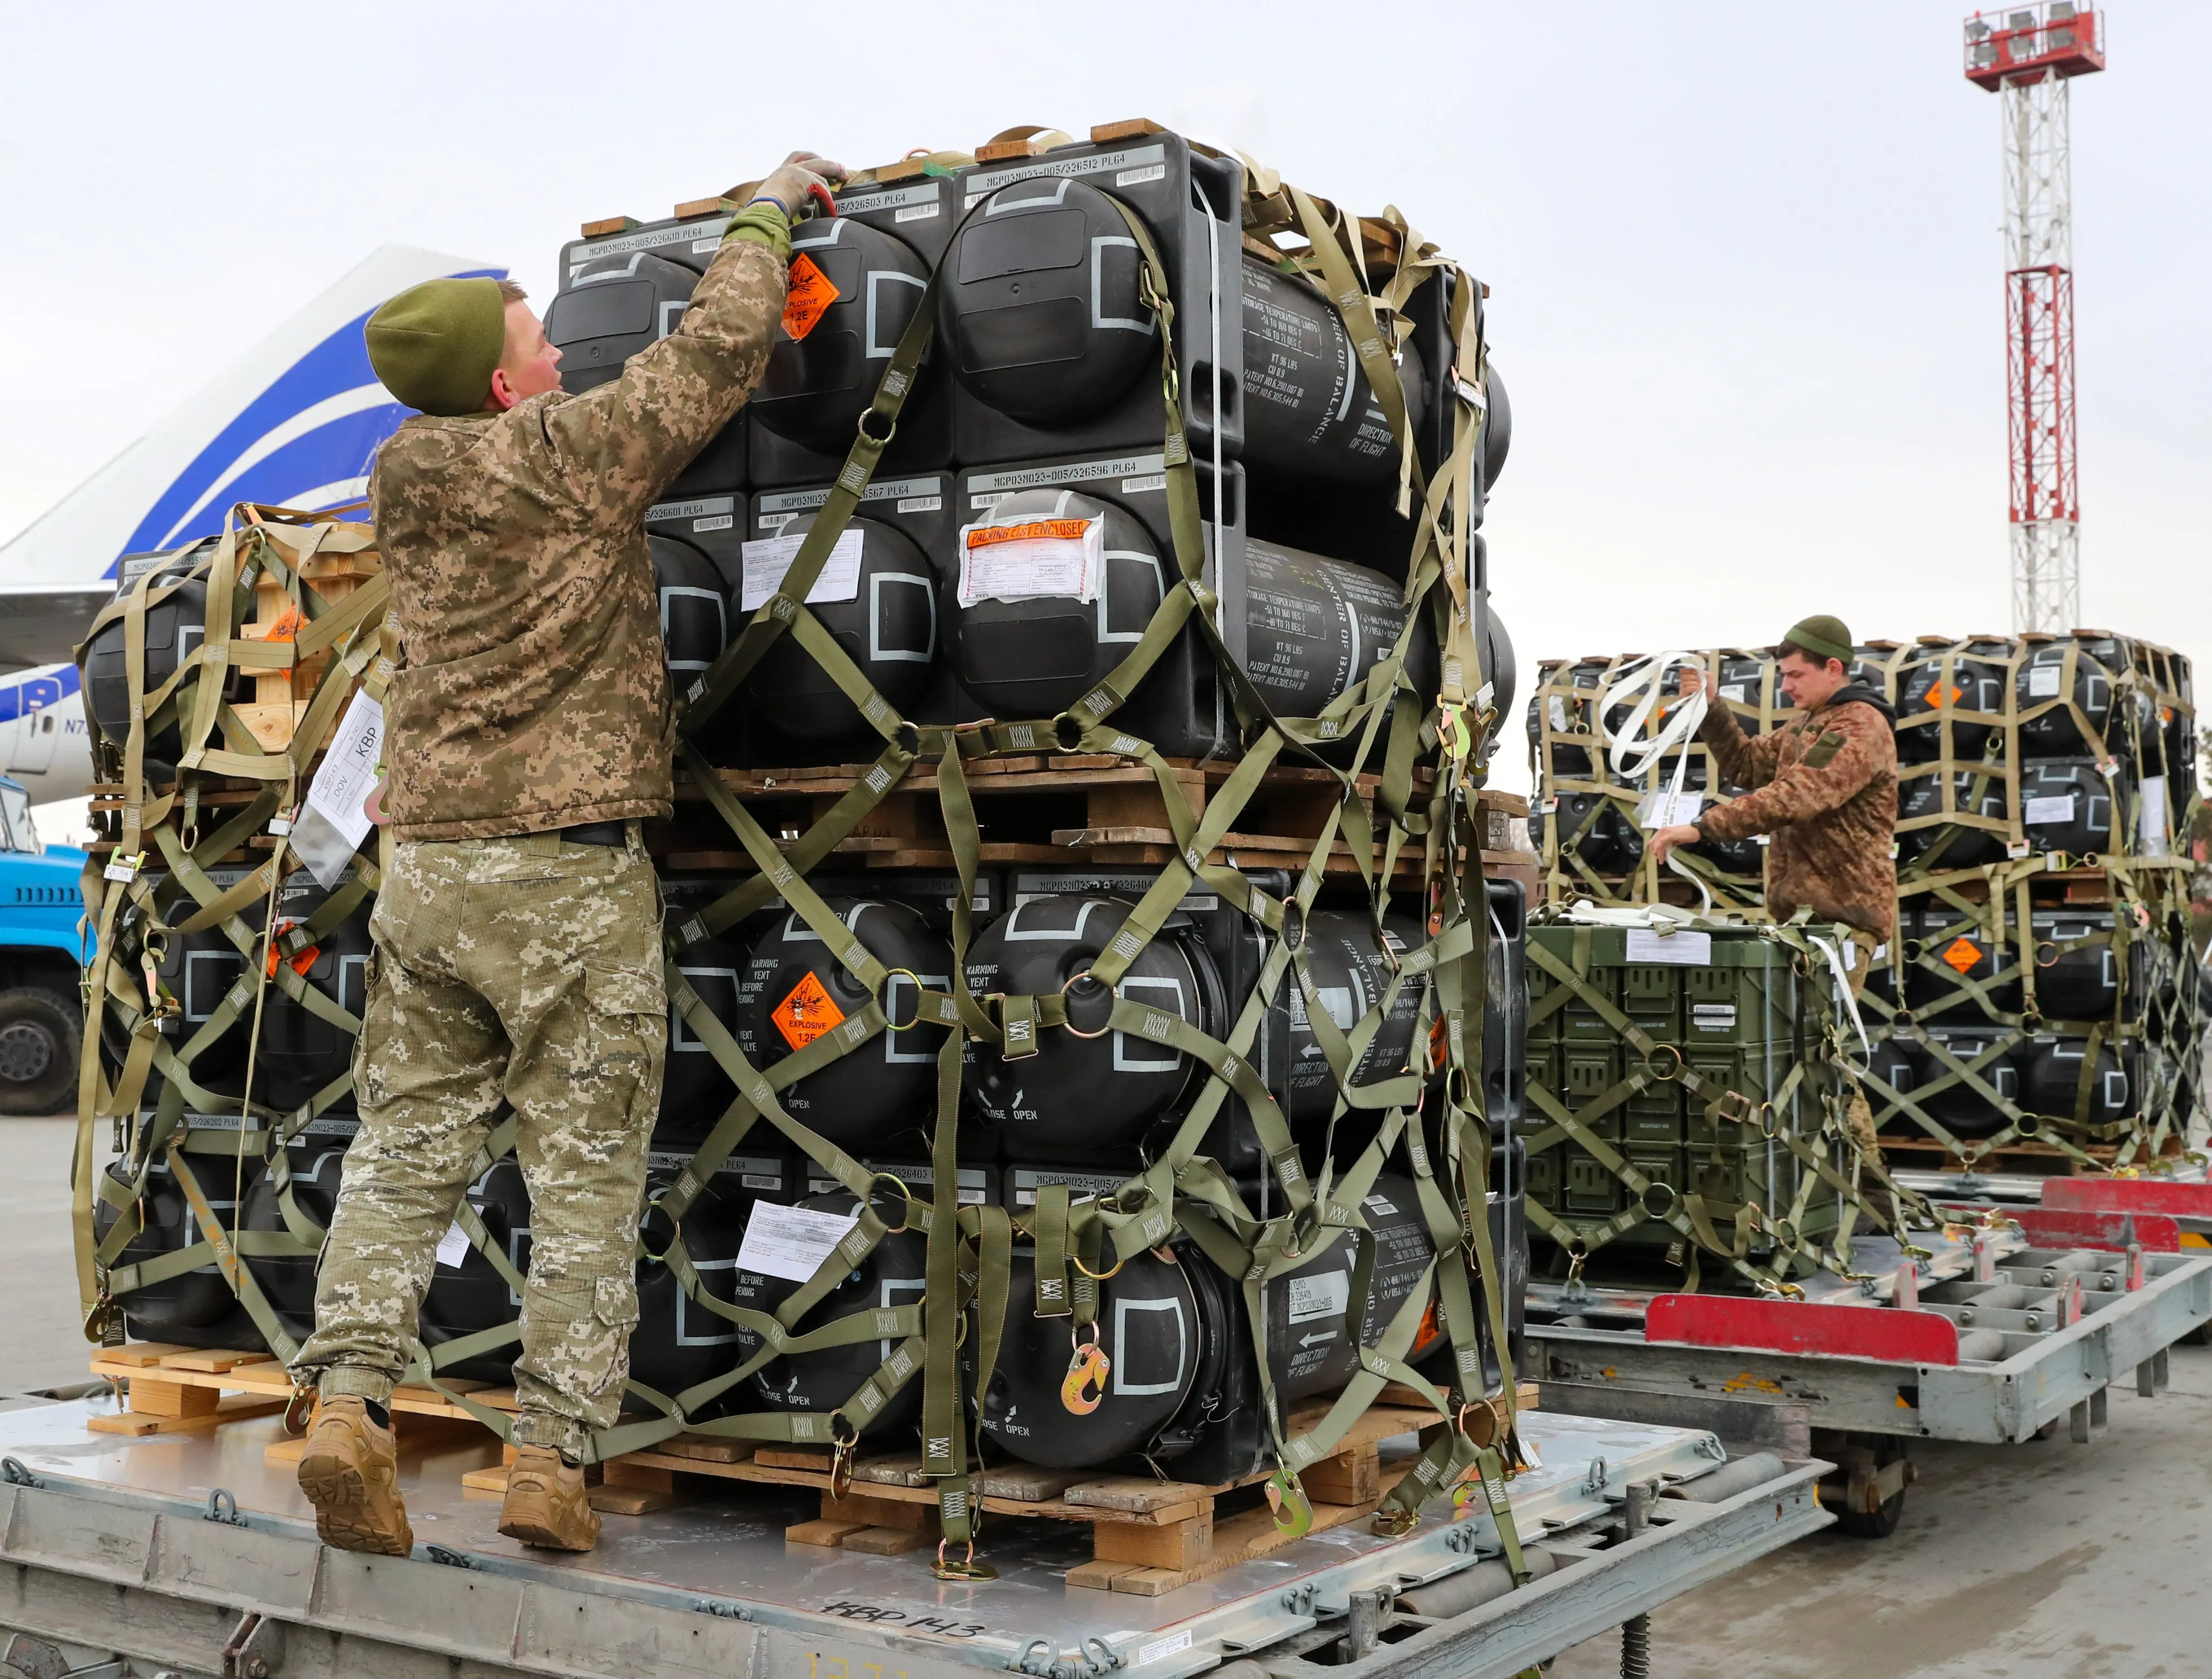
(1048, 530)
(809, 298)
(806, 1014)
(1961, 953)
(1938, 698)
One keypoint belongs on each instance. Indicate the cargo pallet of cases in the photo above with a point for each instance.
(2042, 1007)
(1302, 892)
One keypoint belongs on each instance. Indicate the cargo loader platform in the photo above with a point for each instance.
(195, 1556)
(1991, 1340)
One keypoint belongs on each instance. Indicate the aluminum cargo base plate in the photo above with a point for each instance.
(725, 1549)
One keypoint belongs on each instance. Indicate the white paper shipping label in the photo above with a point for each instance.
(1321, 1296)
(2059, 808)
(768, 558)
(1033, 558)
(1687, 950)
(791, 1242)
(2043, 682)
(1160, 1648)
(453, 1247)
(1667, 810)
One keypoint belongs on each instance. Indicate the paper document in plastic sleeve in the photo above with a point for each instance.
(1037, 558)
(2151, 831)
(453, 1247)
(1683, 947)
(767, 559)
(2058, 808)
(334, 819)
(791, 1242)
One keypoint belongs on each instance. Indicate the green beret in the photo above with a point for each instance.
(436, 345)
(1821, 636)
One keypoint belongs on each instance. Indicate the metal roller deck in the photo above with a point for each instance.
(190, 1556)
(1990, 1341)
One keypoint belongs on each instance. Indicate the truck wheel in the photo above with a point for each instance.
(38, 1037)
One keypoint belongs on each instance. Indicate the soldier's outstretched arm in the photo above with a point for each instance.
(621, 442)
(1848, 752)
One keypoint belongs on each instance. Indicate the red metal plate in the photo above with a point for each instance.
(2128, 1194)
(2111, 1230)
(1889, 1334)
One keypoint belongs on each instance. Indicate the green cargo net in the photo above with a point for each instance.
(1381, 728)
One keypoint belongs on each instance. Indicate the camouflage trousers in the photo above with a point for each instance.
(519, 972)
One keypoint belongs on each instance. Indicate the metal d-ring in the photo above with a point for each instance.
(1076, 1260)
(884, 992)
(1071, 1026)
(1663, 1074)
(906, 1200)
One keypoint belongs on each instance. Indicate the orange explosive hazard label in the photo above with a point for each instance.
(1425, 1336)
(806, 1014)
(1962, 953)
(1938, 698)
(287, 627)
(1048, 530)
(809, 298)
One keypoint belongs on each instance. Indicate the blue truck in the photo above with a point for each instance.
(42, 956)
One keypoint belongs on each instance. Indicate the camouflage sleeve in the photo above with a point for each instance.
(1743, 761)
(621, 442)
(1851, 748)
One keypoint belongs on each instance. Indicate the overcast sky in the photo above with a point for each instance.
(1745, 271)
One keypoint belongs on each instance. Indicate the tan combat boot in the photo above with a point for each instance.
(350, 1473)
(547, 1505)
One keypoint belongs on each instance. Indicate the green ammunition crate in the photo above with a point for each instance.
(1738, 1021)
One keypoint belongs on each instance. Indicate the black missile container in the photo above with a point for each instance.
(679, 1342)
(196, 1309)
(300, 1053)
(315, 1165)
(694, 1089)
(1040, 320)
(795, 990)
(876, 255)
(175, 627)
(1182, 1385)
(890, 614)
(821, 1381)
(623, 292)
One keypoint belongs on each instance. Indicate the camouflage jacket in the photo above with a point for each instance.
(1826, 789)
(532, 692)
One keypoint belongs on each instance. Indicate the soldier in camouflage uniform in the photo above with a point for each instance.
(1824, 787)
(518, 931)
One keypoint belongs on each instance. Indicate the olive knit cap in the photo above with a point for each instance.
(436, 345)
(1823, 636)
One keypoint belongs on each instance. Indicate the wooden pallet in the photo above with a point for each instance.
(182, 1389)
(1042, 811)
(2026, 1157)
(1148, 1536)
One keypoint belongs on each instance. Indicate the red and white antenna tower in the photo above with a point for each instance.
(2027, 55)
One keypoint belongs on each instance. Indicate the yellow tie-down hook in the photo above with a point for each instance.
(1087, 1370)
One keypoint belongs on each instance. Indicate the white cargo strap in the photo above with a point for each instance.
(1630, 756)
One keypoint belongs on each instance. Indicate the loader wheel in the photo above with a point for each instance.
(1864, 1456)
